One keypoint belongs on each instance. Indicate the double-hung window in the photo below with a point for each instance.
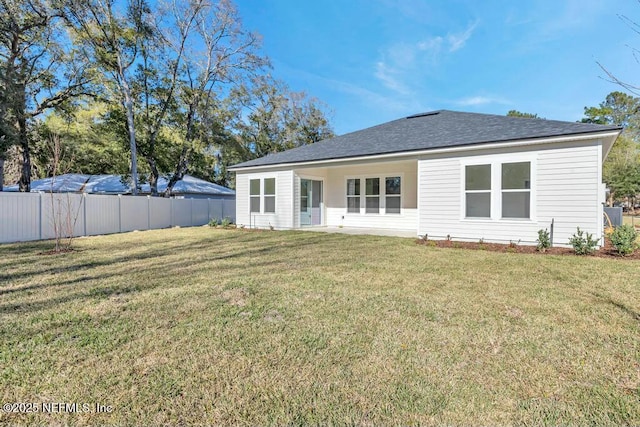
(372, 193)
(262, 195)
(516, 190)
(392, 194)
(353, 195)
(254, 195)
(269, 195)
(478, 191)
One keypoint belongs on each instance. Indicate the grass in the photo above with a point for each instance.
(210, 326)
(631, 220)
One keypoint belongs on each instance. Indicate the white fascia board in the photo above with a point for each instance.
(417, 153)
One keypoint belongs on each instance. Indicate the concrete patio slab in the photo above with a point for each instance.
(364, 230)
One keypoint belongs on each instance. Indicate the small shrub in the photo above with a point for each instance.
(226, 222)
(457, 245)
(431, 243)
(213, 222)
(271, 227)
(624, 239)
(544, 240)
(583, 245)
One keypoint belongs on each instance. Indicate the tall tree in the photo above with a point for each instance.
(621, 168)
(273, 119)
(618, 109)
(112, 40)
(38, 71)
(223, 56)
(91, 139)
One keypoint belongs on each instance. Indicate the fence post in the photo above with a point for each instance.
(149, 212)
(84, 211)
(40, 218)
(171, 212)
(119, 213)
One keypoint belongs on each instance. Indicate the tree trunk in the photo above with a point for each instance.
(1, 173)
(25, 176)
(128, 104)
(153, 176)
(181, 169)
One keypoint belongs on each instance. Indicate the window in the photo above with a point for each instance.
(269, 195)
(266, 191)
(353, 196)
(254, 195)
(392, 195)
(478, 191)
(372, 192)
(516, 190)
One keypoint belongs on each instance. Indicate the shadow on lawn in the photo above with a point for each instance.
(267, 239)
(161, 263)
(608, 300)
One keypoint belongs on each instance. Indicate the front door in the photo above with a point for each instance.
(310, 202)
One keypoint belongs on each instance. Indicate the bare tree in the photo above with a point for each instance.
(64, 212)
(227, 55)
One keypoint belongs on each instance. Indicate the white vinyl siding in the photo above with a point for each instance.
(281, 200)
(564, 187)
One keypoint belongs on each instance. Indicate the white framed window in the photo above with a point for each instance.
(516, 190)
(393, 194)
(499, 188)
(372, 195)
(353, 195)
(477, 188)
(254, 196)
(262, 195)
(269, 195)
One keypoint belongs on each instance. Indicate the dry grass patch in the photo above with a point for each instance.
(212, 326)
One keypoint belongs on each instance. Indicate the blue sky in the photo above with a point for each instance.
(373, 61)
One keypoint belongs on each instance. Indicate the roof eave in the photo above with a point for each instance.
(609, 133)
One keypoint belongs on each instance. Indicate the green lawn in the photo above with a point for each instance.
(211, 326)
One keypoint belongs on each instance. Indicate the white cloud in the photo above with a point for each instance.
(473, 101)
(400, 63)
(387, 75)
(458, 40)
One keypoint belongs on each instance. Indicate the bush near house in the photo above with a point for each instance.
(625, 239)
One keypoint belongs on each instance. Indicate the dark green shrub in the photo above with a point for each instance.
(226, 222)
(544, 240)
(624, 239)
(213, 222)
(583, 245)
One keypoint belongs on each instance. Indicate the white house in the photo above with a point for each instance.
(447, 174)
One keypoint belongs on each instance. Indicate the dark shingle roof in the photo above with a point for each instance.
(437, 129)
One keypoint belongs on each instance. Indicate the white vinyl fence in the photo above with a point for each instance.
(32, 216)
